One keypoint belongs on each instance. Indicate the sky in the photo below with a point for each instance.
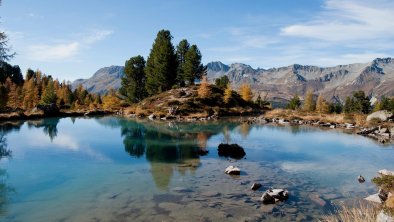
(73, 39)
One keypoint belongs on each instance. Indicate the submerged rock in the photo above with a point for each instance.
(273, 196)
(231, 150)
(317, 200)
(232, 170)
(255, 186)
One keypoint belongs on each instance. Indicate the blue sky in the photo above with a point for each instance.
(73, 39)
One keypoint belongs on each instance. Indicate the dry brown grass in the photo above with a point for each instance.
(308, 116)
(359, 213)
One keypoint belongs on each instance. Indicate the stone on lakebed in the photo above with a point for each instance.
(232, 170)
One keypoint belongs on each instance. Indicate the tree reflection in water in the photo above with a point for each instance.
(5, 189)
(168, 147)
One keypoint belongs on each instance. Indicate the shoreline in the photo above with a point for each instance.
(15, 116)
(378, 132)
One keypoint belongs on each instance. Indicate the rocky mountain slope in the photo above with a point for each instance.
(376, 78)
(103, 80)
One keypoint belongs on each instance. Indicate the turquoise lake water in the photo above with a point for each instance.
(116, 169)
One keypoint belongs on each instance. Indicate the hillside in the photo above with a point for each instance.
(185, 103)
(376, 78)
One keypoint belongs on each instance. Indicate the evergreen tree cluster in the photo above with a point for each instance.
(385, 104)
(165, 67)
(358, 103)
(37, 88)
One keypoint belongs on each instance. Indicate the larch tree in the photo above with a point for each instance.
(246, 92)
(309, 102)
(322, 106)
(134, 79)
(161, 65)
(204, 90)
(227, 93)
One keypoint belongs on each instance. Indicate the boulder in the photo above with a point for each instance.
(383, 130)
(255, 186)
(152, 116)
(273, 196)
(232, 170)
(374, 198)
(386, 172)
(231, 150)
(383, 217)
(382, 115)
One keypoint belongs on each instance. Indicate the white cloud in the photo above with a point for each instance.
(53, 52)
(348, 20)
(65, 50)
(97, 36)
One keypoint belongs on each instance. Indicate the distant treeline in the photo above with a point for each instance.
(37, 88)
(357, 103)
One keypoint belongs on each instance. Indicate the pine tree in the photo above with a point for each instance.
(49, 93)
(227, 94)
(192, 67)
(246, 92)
(204, 90)
(309, 103)
(181, 50)
(133, 81)
(162, 65)
(222, 82)
(294, 103)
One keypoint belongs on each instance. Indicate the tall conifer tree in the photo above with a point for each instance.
(162, 64)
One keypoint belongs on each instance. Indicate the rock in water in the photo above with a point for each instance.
(232, 170)
(231, 150)
(273, 196)
(382, 115)
(361, 179)
(256, 186)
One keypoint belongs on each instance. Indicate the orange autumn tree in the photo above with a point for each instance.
(246, 92)
(204, 90)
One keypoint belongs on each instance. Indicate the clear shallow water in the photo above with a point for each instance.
(113, 169)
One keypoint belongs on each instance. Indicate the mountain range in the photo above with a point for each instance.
(375, 78)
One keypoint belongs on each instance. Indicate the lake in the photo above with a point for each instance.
(117, 169)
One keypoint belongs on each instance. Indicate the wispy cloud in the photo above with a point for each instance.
(348, 20)
(53, 52)
(65, 49)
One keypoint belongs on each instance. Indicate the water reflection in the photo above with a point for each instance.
(49, 126)
(5, 189)
(167, 147)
